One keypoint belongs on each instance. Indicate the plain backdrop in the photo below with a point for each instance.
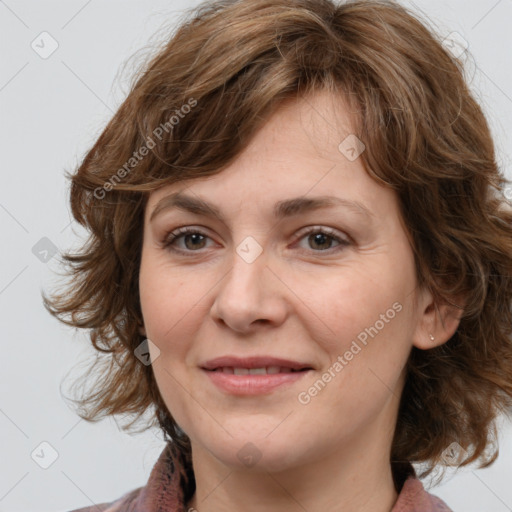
(52, 107)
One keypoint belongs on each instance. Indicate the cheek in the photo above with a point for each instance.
(167, 299)
(372, 320)
(359, 303)
(169, 303)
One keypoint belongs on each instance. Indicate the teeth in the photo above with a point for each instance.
(268, 370)
(257, 371)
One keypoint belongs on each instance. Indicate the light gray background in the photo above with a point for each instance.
(51, 111)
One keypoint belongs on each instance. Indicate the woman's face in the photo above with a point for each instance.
(279, 276)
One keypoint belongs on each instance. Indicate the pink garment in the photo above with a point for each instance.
(164, 491)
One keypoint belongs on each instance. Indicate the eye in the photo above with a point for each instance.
(194, 240)
(321, 237)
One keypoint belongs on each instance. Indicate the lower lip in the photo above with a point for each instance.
(252, 384)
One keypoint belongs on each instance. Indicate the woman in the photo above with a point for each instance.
(300, 261)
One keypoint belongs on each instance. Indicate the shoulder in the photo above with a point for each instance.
(125, 503)
(414, 498)
(163, 490)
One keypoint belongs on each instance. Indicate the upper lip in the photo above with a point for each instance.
(252, 362)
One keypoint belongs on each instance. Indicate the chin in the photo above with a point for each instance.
(256, 453)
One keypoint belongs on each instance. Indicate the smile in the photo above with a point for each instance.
(254, 381)
(268, 370)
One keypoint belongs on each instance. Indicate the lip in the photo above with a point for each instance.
(253, 384)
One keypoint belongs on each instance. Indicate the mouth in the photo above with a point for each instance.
(255, 375)
(264, 370)
(255, 365)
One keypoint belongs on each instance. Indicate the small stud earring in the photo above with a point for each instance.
(431, 337)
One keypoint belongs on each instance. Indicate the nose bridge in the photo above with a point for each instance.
(247, 280)
(248, 292)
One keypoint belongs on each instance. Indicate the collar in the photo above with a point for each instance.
(170, 486)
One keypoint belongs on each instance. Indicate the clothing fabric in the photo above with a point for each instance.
(168, 481)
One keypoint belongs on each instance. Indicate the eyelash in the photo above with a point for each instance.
(171, 237)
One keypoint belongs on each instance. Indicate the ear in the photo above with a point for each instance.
(437, 320)
(142, 331)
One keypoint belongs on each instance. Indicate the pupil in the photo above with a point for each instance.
(320, 238)
(196, 238)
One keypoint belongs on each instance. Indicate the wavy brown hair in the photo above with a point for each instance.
(194, 106)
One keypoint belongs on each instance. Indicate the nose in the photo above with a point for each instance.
(250, 294)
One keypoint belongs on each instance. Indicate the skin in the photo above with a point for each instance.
(302, 298)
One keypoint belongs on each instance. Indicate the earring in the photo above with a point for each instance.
(431, 337)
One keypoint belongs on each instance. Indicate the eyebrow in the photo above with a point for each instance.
(281, 210)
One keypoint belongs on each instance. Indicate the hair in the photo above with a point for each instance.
(196, 104)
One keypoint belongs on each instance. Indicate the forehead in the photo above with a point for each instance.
(303, 149)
